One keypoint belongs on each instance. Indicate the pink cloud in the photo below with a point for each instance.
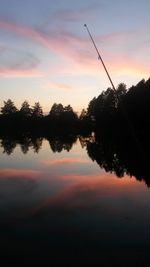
(54, 40)
(65, 161)
(115, 37)
(59, 86)
(23, 30)
(78, 53)
(11, 173)
(19, 73)
(65, 43)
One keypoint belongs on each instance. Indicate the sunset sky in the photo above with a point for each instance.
(46, 54)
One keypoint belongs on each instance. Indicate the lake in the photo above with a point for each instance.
(57, 205)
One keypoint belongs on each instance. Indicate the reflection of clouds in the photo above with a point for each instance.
(15, 183)
(65, 161)
(18, 191)
(14, 187)
(95, 192)
(19, 173)
(24, 192)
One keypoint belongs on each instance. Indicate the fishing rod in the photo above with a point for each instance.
(100, 58)
(124, 111)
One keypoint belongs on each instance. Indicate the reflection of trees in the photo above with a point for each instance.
(120, 155)
(113, 150)
(25, 143)
(86, 139)
(30, 142)
(37, 144)
(58, 144)
(106, 158)
(8, 145)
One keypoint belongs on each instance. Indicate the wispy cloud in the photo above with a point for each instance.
(16, 173)
(58, 86)
(16, 63)
(65, 161)
(115, 37)
(69, 15)
(77, 51)
(18, 73)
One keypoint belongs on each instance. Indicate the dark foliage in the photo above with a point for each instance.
(31, 120)
(120, 154)
(123, 108)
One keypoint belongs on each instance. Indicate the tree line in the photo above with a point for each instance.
(32, 119)
(36, 111)
(122, 107)
(110, 110)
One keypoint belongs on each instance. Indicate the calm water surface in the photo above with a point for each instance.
(62, 207)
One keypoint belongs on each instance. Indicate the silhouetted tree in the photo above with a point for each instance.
(62, 117)
(56, 110)
(8, 108)
(103, 108)
(121, 90)
(86, 121)
(68, 115)
(68, 109)
(25, 109)
(83, 114)
(37, 111)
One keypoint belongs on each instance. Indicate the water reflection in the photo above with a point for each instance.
(122, 156)
(57, 144)
(9, 144)
(114, 154)
(64, 207)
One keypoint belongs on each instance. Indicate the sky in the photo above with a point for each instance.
(46, 54)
